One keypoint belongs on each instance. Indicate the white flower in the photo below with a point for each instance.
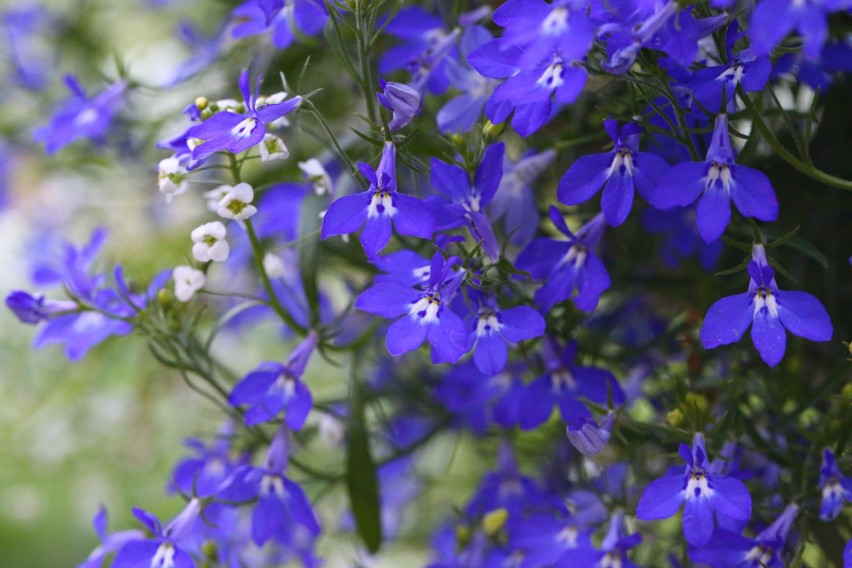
(171, 178)
(273, 148)
(188, 281)
(215, 195)
(210, 243)
(317, 175)
(236, 204)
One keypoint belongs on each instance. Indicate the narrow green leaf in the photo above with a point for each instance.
(362, 483)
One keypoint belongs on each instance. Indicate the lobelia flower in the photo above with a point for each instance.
(550, 541)
(273, 387)
(769, 311)
(235, 202)
(567, 265)
(426, 314)
(80, 116)
(730, 550)
(33, 309)
(378, 208)
(587, 435)
(492, 328)
(614, 548)
(835, 487)
(203, 474)
(210, 243)
(505, 488)
(771, 20)
(468, 200)
(188, 281)
(110, 543)
(514, 200)
(461, 113)
(282, 507)
(401, 100)
(234, 131)
(702, 492)
(165, 550)
(745, 68)
(618, 171)
(289, 20)
(561, 385)
(716, 181)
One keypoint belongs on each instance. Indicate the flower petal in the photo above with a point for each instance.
(727, 320)
(803, 315)
(661, 499)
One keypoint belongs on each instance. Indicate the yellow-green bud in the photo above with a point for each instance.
(491, 131)
(165, 296)
(494, 522)
(675, 417)
(201, 103)
(210, 550)
(463, 535)
(697, 401)
(206, 113)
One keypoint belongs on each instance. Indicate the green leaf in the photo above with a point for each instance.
(362, 483)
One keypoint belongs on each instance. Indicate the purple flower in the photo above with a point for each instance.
(282, 507)
(288, 19)
(562, 385)
(426, 314)
(550, 541)
(110, 543)
(461, 113)
(514, 201)
(468, 200)
(401, 100)
(379, 208)
(835, 487)
(618, 171)
(506, 488)
(202, 475)
(492, 328)
(717, 181)
(774, 19)
(769, 311)
(273, 387)
(80, 116)
(730, 550)
(234, 131)
(566, 265)
(34, 309)
(702, 492)
(165, 550)
(614, 547)
(587, 435)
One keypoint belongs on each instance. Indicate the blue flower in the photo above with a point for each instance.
(80, 116)
(492, 328)
(110, 543)
(514, 201)
(202, 475)
(235, 131)
(288, 19)
(401, 100)
(702, 492)
(567, 265)
(379, 208)
(273, 387)
(165, 550)
(468, 200)
(426, 314)
(774, 19)
(587, 435)
(618, 171)
(282, 507)
(716, 181)
(769, 311)
(835, 487)
(461, 113)
(730, 550)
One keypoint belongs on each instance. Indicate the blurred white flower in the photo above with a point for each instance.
(188, 281)
(210, 243)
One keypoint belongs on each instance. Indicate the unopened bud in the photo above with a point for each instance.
(675, 417)
(201, 103)
(494, 522)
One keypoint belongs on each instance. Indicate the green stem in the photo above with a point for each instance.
(788, 156)
(267, 283)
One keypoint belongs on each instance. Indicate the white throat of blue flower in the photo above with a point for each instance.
(562, 379)
(164, 557)
(622, 163)
(381, 204)
(698, 485)
(610, 560)
(245, 128)
(488, 323)
(568, 536)
(576, 255)
(553, 76)
(556, 22)
(719, 175)
(285, 385)
(272, 484)
(760, 554)
(427, 308)
(733, 74)
(763, 299)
